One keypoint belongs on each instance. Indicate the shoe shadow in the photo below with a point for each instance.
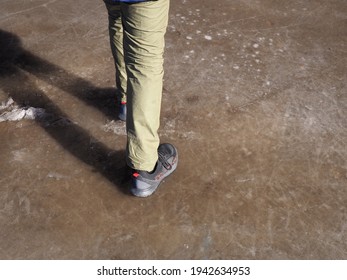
(73, 138)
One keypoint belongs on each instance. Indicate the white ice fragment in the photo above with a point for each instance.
(208, 37)
(236, 67)
(7, 104)
(189, 37)
(17, 114)
(255, 45)
(33, 113)
(14, 115)
(198, 31)
(268, 83)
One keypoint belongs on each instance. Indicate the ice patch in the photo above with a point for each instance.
(55, 175)
(208, 37)
(187, 135)
(190, 135)
(19, 155)
(115, 127)
(9, 111)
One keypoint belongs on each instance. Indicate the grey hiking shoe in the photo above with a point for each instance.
(145, 183)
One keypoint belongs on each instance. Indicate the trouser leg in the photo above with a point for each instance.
(144, 27)
(116, 40)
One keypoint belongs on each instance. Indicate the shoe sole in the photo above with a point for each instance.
(150, 191)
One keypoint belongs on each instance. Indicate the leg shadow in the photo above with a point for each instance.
(13, 59)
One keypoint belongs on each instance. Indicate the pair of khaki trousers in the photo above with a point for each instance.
(137, 42)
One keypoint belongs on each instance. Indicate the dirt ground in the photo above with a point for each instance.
(254, 98)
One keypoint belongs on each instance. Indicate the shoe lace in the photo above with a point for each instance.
(163, 159)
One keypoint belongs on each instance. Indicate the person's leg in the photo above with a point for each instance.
(144, 26)
(116, 41)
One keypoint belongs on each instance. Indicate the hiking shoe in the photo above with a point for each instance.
(122, 115)
(145, 183)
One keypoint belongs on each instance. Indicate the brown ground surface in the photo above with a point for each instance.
(254, 98)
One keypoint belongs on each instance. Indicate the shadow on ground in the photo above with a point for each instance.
(15, 65)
